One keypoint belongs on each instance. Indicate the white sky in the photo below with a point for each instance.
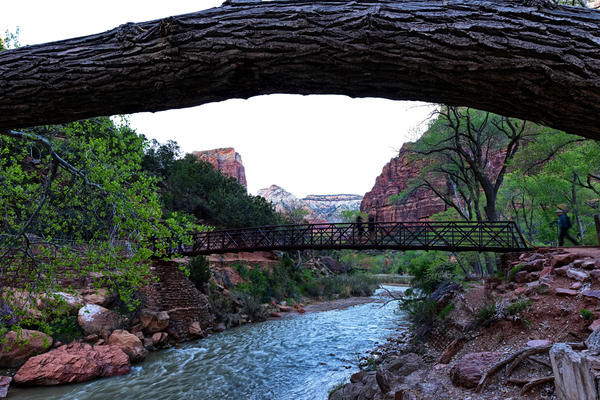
(305, 144)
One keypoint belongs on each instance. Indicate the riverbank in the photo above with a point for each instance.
(183, 316)
(552, 296)
(300, 356)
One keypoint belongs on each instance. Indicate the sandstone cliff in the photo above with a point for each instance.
(394, 179)
(226, 160)
(423, 203)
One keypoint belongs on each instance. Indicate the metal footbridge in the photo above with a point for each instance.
(445, 236)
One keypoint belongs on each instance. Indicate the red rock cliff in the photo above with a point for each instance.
(226, 160)
(422, 204)
(393, 179)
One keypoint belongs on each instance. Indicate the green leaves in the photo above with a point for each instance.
(97, 220)
(556, 171)
(195, 187)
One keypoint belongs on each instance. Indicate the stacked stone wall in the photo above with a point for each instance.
(177, 295)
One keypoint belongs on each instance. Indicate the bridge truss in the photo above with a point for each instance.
(444, 236)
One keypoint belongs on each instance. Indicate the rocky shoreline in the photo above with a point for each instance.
(107, 352)
(512, 354)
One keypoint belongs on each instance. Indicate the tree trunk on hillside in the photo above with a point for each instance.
(533, 62)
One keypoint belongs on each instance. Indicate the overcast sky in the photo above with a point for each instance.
(305, 144)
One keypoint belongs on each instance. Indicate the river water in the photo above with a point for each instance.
(300, 357)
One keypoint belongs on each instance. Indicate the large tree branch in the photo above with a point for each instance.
(57, 159)
(530, 62)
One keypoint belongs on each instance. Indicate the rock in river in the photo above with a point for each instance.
(74, 363)
(129, 343)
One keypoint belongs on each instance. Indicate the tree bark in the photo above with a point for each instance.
(532, 62)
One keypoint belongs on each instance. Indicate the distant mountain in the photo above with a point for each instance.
(282, 199)
(322, 208)
(330, 206)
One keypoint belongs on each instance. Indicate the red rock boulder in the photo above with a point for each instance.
(67, 301)
(547, 271)
(100, 297)
(129, 343)
(96, 320)
(74, 363)
(194, 329)
(559, 260)
(565, 292)
(154, 321)
(535, 265)
(595, 274)
(591, 293)
(16, 350)
(160, 339)
(562, 271)
(468, 371)
(521, 276)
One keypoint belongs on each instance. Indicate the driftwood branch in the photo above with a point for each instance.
(536, 382)
(540, 361)
(518, 357)
(522, 59)
(401, 298)
(529, 352)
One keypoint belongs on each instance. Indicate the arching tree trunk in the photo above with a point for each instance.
(530, 62)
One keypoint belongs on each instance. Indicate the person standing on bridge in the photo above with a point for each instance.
(564, 224)
(371, 227)
(359, 227)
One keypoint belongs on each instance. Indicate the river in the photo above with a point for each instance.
(295, 358)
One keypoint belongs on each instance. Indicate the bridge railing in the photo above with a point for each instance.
(450, 236)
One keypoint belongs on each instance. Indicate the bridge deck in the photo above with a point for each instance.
(445, 236)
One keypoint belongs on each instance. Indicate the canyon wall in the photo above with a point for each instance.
(423, 203)
(394, 178)
(226, 160)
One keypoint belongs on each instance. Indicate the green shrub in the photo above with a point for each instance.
(518, 306)
(252, 307)
(514, 270)
(358, 285)
(586, 314)
(541, 289)
(487, 314)
(314, 288)
(199, 271)
(430, 270)
(446, 311)
(422, 316)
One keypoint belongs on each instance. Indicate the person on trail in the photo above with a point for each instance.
(564, 224)
(359, 227)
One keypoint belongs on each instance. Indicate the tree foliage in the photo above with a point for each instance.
(468, 152)
(558, 171)
(76, 205)
(195, 187)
